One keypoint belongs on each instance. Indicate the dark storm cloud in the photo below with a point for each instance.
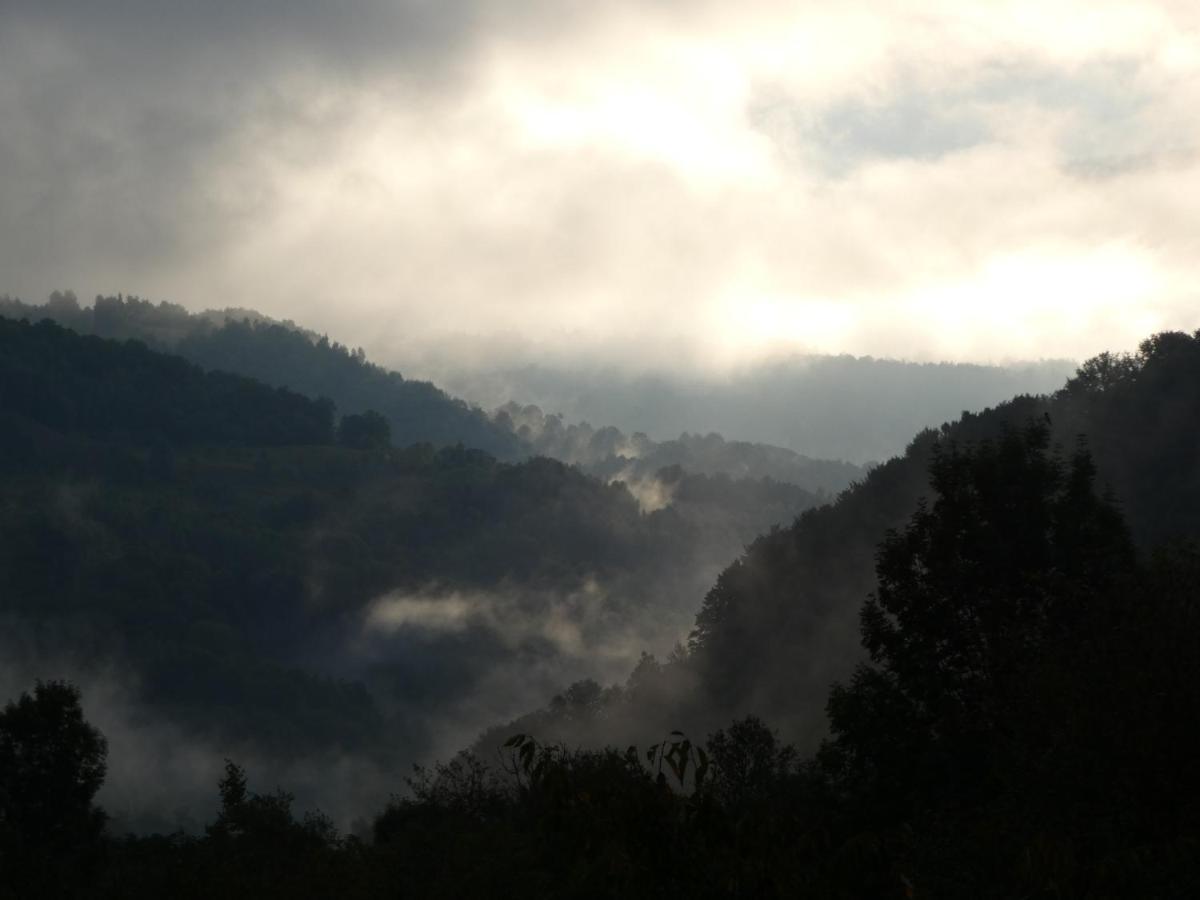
(138, 136)
(119, 118)
(140, 31)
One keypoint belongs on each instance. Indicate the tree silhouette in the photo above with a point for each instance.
(995, 617)
(52, 763)
(1015, 556)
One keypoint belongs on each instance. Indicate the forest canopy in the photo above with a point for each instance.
(1024, 727)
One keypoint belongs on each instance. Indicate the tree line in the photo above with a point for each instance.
(1026, 724)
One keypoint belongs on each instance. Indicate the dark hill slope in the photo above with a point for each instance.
(781, 622)
(417, 411)
(286, 355)
(105, 389)
(201, 532)
(282, 354)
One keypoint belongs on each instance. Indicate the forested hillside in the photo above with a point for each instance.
(599, 450)
(610, 453)
(794, 596)
(284, 355)
(781, 623)
(232, 552)
(106, 390)
(1025, 726)
(855, 408)
(281, 354)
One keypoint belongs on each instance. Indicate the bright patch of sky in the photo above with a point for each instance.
(683, 182)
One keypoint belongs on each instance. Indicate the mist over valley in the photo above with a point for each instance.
(593, 451)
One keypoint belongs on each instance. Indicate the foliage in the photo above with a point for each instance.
(779, 624)
(74, 384)
(999, 736)
(52, 763)
(1016, 559)
(208, 533)
(365, 431)
(283, 355)
(416, 411)
(1026, 726)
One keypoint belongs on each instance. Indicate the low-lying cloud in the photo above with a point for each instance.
(466, 660)
(163, 777)
(584, 623)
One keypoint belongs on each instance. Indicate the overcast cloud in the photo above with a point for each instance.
(697, 181)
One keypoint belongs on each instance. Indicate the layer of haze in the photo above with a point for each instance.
(691, 182)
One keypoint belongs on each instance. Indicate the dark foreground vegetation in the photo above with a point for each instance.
(1026, 726)
(1022, 720)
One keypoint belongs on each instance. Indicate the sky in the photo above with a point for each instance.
(666, 182)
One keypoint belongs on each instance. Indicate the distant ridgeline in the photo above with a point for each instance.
(127, 392)
(285, 355)
(856, 408)
(224, 541)
(610, 453)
